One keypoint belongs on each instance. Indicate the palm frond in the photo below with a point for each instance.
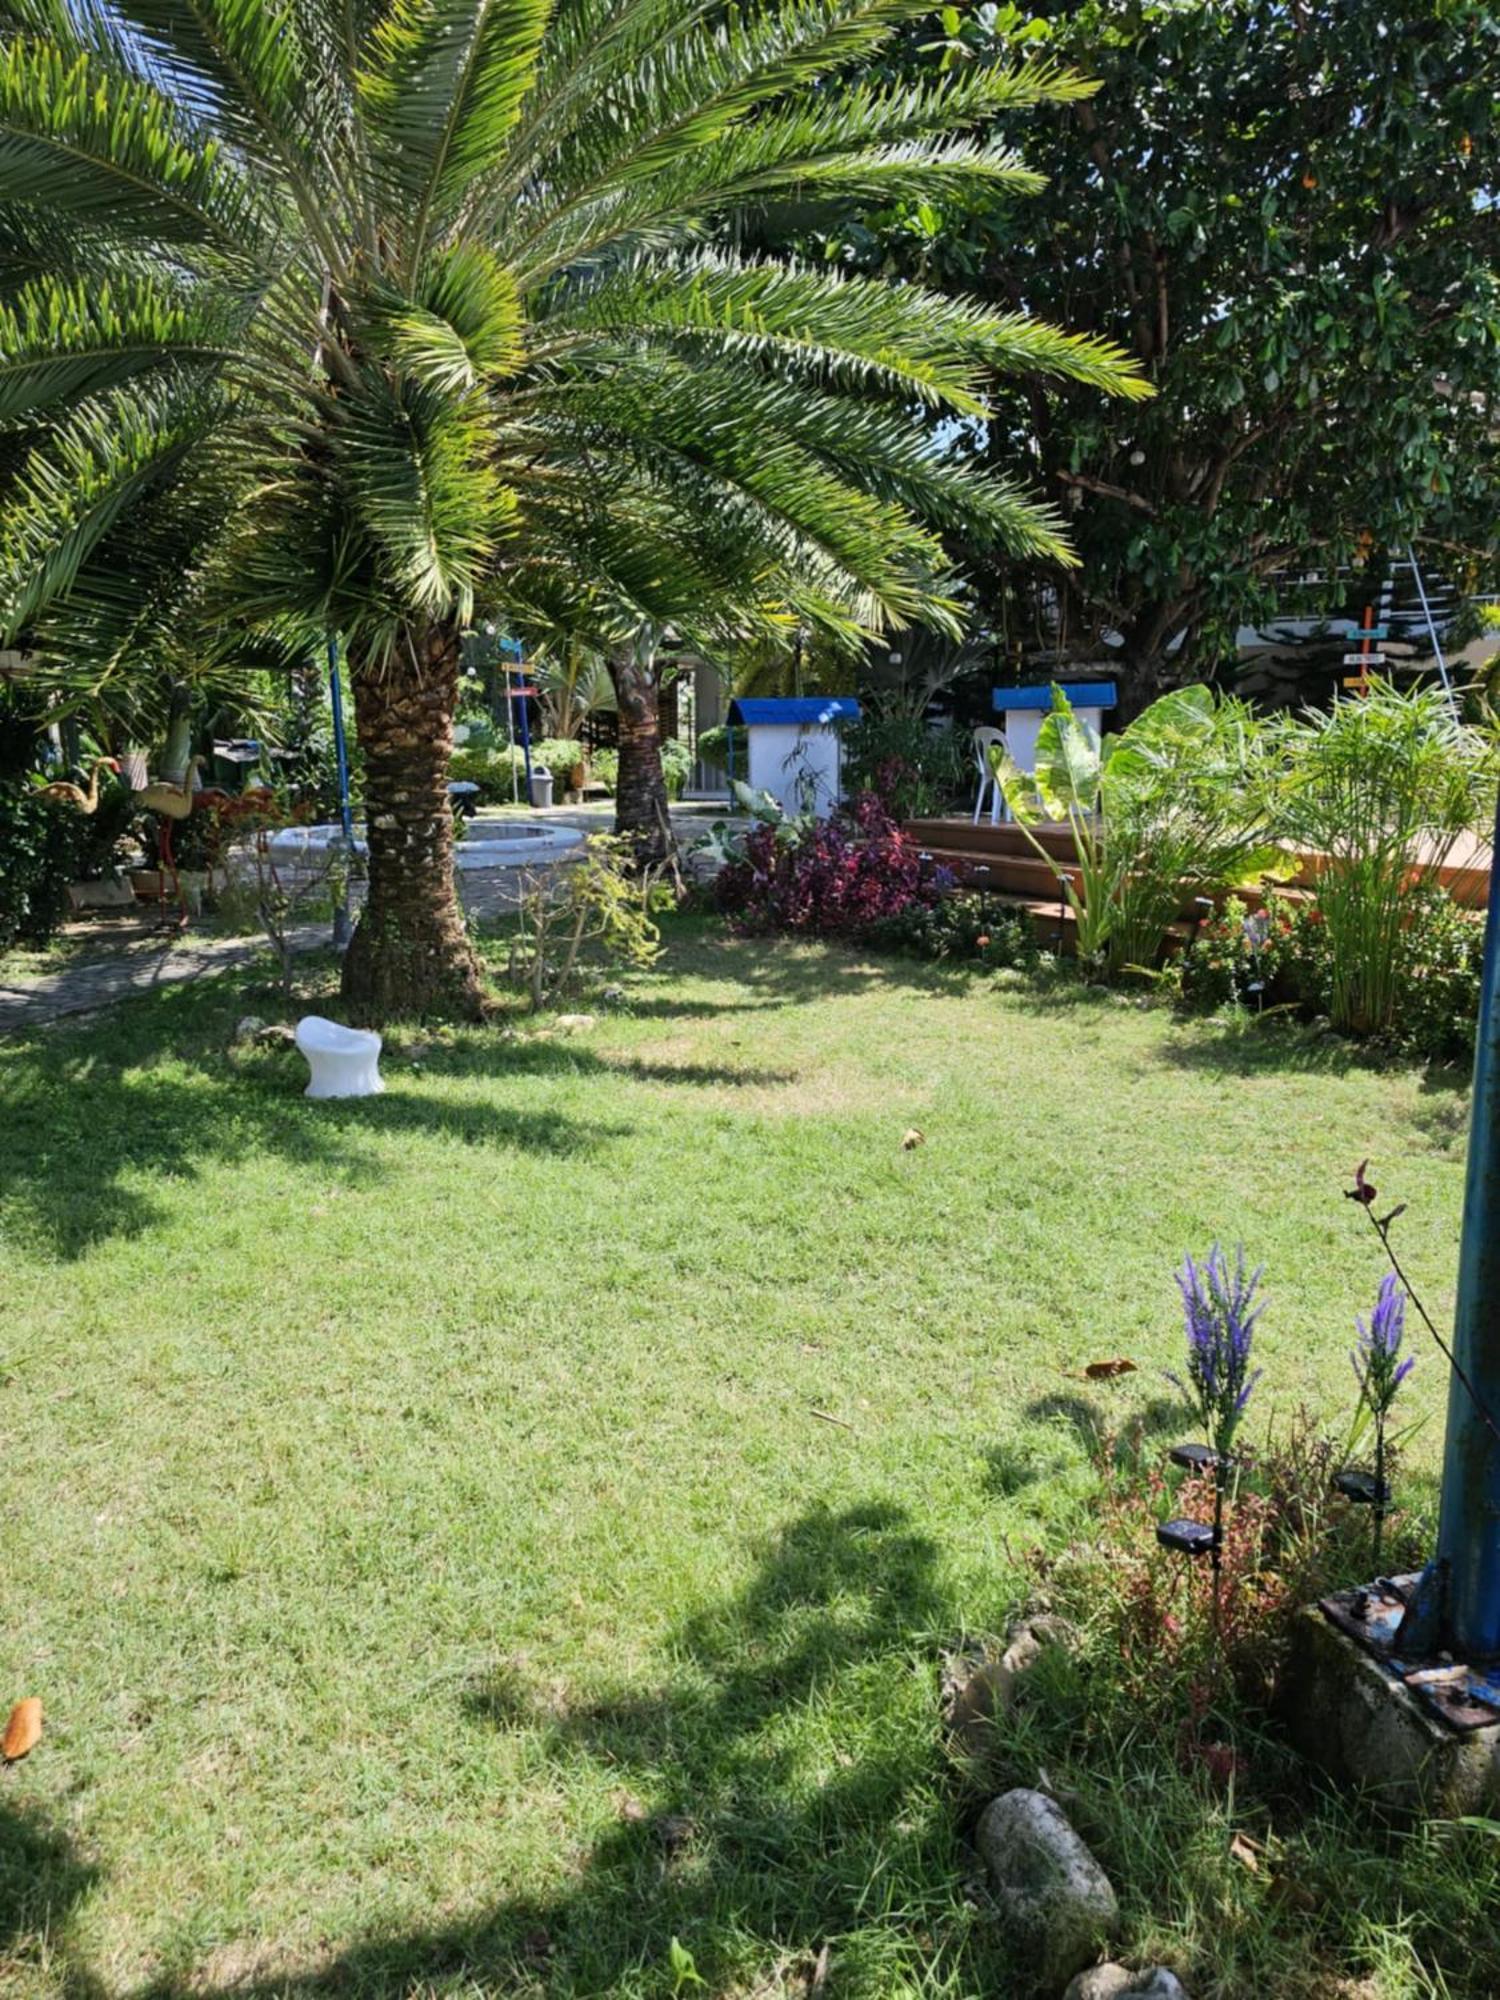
(444, 86)
(863, 332)
(417, 467)
(80, 141)
(65, 338)
(84, 479)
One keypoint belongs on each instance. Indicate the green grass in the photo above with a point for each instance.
(425, 1526)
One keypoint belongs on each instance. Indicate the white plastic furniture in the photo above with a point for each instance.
(1025, 710)
(984, 740)
(345, 1062)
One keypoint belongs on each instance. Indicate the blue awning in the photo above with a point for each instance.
(1082, 694)
(803, 710)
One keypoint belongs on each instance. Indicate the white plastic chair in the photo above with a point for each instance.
(345, 1062)
(984, 738)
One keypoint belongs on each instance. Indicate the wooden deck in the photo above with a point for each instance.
(1001, 859)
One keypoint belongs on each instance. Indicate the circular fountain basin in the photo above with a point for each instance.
(486, 843)
(513, 844)
(309, 843)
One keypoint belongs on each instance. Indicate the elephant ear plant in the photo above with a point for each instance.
(1170, 807)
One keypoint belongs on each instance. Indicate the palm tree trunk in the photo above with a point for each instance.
(640, 790)
(410, 952)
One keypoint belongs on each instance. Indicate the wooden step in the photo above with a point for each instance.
(1011, 874)
(1028, 877)
(1005, 838)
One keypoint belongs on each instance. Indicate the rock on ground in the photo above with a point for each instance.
(992, 1687)
(1051, 1891)
(1118, 1982)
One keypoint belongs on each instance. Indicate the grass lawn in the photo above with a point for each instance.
(475, 1535)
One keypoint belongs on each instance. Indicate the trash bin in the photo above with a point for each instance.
(541, 788)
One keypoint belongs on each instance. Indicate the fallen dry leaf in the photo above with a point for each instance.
(1246, 1851)
(1105, 1371)
(912, 1138)
(24, 1730)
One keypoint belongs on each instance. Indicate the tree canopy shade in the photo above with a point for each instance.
(1288, 213)
(323, 316)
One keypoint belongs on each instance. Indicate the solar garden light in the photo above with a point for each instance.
(1220, 1313)
(1380, 1371)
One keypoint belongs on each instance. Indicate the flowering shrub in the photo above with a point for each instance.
(1283, 956)
(962, 924)
(828, 877)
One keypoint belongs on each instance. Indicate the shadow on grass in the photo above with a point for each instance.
(97, 1107)
(776, 1795)
(1067, 1427)
(42, 1878)
(94, 1111)
(1280, 1046)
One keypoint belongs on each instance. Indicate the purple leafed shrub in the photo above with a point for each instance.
(830, 878)
(1219, 1308)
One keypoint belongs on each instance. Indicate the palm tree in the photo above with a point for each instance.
(338, 316)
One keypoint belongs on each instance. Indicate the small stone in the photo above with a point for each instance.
(1118, 1982)
(573, 1024)
(990, 1687)
(1028, 1639)
(1052, 1893)
(976, 1700)
(248, 1027)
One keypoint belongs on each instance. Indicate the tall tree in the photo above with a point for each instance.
(325, 315)
(1288, 213)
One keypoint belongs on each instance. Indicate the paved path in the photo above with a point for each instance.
(129, 953)
(127, 957)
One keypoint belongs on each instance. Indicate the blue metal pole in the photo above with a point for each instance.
(343, 928)
(525, 732)
(514, 646)
(1468, 1550)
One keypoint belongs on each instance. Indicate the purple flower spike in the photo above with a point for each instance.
(1219, 1307)
(1376, 1367)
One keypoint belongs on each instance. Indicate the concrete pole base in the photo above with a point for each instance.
(1357, 1722)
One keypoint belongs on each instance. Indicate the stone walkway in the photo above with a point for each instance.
(130, 953)
(126, 956)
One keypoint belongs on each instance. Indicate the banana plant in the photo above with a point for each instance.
(1174, 805)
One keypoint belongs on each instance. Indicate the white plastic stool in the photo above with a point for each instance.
(345, 1062)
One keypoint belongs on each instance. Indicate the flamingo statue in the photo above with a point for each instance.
(61, 793)
(167, 800)
(170, 802)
